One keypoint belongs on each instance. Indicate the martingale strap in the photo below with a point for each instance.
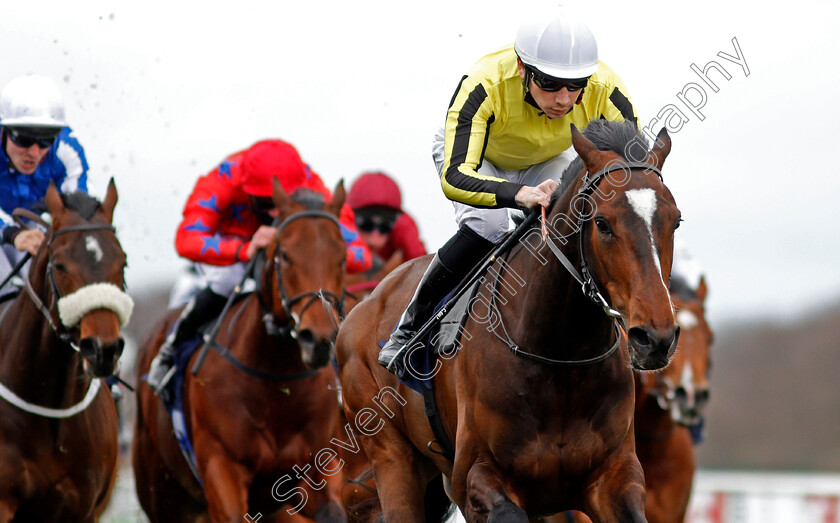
(47, 412)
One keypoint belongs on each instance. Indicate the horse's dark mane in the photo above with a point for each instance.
(682, 288)
(81, 203)
(607, 136)
(313, 201)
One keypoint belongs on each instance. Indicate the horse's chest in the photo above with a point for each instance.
(52, 476)
(550, 456)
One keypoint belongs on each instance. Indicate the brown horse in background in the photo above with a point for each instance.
(261, 442)
(58, 421)
(358, 493)
(359, 285)
(668, 402)
(540, 405)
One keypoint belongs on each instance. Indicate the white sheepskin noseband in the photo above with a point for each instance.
(73, 307)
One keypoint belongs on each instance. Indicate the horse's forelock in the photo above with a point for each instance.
(312, 200)
(614, 136)
(607, 136)
(682, 288)
(81, 203)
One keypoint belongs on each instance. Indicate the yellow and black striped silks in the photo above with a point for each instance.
(491, 118)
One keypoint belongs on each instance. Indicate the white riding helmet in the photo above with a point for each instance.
(558, 44)
(32, 101)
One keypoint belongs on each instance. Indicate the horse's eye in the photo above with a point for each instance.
(59, 267)
(603, 226)
(677, 225)
(284, 257)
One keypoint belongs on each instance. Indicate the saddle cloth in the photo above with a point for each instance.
(444, 338)
(173, 401)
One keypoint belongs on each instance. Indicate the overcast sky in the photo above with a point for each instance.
(159, 92)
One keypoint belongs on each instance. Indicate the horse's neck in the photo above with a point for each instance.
(552, 298)
(34, 362)
(260, 349)
(653, 423)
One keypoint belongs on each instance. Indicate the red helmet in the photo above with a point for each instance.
(375, 188)
(270, 159)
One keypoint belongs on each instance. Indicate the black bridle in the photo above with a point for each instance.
(55, 293)
(584, 277)
(329, 300)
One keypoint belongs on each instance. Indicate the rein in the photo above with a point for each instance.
(62, 333)
(95, 384)
(507, 340)
(327, 299)
(18, 215)
(584, 277)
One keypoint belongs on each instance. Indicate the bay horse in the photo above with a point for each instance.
(259, 418)
(668, 403)
(539, 406)
(58, 339)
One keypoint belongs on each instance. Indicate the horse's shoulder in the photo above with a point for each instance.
(409, 272)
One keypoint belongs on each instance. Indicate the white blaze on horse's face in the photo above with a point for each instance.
(92, 245)
(643, 202)
(686, 383)
(686, 319)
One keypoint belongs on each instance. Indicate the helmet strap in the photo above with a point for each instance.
(527, 77)
(4, 138)
(580, 98)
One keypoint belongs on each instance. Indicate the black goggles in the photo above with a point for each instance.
(26, 140)
(262, 204)
(552, 84)
(371, 223)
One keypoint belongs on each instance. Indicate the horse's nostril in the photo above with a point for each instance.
(675, 336)
(639, 337)
(88, 346)
(306, 337)
(120, 346)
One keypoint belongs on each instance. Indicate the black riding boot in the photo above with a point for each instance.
(451, 264)
(204, 306)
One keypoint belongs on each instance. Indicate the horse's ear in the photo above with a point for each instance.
(587, 150)
(53, 200)
(338, 199)
(110, 201)
(393, 262)
(280, 198)
(661, 148)
(701, 290)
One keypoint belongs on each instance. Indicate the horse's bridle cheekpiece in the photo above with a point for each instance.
(115, 299)
(584, 277)
(327, 299)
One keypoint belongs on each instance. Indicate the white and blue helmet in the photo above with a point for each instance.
(32, 101)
